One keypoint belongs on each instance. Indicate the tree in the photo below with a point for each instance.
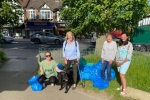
(103, 16)
(149, 9)
(8, 13)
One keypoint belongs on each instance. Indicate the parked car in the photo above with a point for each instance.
(141, 47)
(116, 40)
(45, 37)
(6, 39)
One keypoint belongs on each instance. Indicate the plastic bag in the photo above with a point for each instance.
(60, 66)
(89, 71)
(82, 61)
(34, 83)
(85, 76)
(100, 84)
(36, 86)
(33, 79)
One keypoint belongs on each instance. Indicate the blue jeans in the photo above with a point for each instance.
(106, 65)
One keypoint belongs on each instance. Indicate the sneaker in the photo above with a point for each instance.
(73, 88)
(52, 84)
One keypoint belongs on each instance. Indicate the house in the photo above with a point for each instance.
(41, 15)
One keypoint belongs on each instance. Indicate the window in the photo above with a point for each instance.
(48, 34)
(32, 14)
(46, 14)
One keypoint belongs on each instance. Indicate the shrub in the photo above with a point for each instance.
(1, 35)
(2, 56)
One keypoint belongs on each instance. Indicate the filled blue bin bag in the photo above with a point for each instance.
(33, 79)
(34, 83)
(86, 76)
(36, 86)
(60, 66)
(100, 84)
(92, 72)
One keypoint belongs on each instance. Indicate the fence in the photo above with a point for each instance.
(58, 56)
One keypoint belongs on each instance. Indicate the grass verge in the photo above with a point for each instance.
(136, 76)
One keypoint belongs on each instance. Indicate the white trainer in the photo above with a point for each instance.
(52, 84)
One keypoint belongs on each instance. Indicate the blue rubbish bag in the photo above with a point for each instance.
(100, 84)
(36, 86)
(34, 83)
(60, 66)
(33, 79)
(85, 76)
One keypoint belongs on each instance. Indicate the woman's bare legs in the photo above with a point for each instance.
(123, 82)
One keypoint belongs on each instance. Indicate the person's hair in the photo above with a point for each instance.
(108, 34)
(69, 32)
(49, 53)
(125, 42)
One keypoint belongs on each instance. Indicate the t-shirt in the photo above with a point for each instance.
(49, 68)
(109, 50)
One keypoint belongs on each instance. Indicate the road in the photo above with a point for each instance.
(26, 44)
(23, 48)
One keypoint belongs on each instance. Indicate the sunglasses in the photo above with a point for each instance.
(48, 55)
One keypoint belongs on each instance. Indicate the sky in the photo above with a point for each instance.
(149, 2)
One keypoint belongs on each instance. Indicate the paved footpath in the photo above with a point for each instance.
(17, 88)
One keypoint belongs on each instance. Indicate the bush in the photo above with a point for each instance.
(1, 35)
(3, 57)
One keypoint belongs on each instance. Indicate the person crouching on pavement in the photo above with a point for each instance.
(48, 69)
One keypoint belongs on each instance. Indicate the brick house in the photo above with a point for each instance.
(41, 15)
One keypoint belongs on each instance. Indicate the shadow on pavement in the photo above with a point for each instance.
(10, 83)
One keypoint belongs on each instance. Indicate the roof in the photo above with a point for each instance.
(37, 4)
(23, 3)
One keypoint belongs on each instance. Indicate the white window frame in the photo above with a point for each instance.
(46, 14)
(32, 14)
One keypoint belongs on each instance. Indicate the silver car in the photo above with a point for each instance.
(45, 37)
(6, 39)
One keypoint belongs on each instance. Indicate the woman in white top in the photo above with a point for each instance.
(108, 55)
